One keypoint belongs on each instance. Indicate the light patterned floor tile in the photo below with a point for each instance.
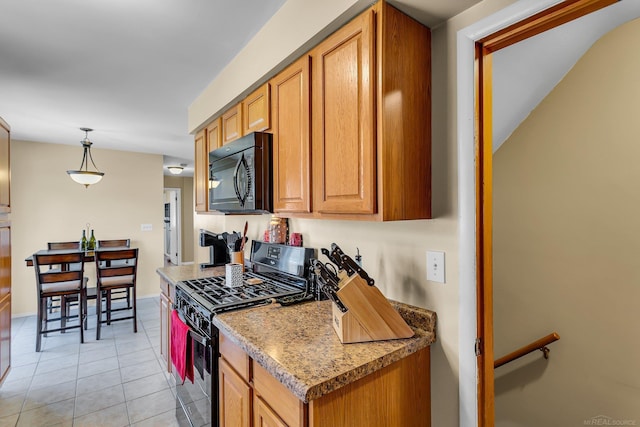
(150, 405)
(98, 400)
(144, 386)
(115, 416)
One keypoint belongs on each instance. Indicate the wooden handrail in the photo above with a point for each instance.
(540, 344)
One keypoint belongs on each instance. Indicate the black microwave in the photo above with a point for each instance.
(240, 176)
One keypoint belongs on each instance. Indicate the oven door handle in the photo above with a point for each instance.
(194, 335)
(199, 338)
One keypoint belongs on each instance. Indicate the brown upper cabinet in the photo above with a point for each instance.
(403, 91)
(201, 165)
(351, 122)
(232, 124)
(256, 111)
(371, 100)
(5, 170)
(344, 149)
(213, 133)
(291, 138)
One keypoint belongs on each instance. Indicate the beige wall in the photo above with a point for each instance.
(185, 184)
(48, 206)
(566, 245)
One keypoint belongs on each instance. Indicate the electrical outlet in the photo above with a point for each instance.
(146, 227)
(435, 266)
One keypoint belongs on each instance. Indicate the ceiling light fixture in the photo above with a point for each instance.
(176, 170)
(84, 176)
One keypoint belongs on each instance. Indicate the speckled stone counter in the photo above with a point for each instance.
(298, 346)
(176, 273)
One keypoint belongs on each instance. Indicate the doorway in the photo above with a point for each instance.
(475, 45)
(172, 227)
(485, 46)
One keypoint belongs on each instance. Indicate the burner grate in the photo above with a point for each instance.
(213, 293)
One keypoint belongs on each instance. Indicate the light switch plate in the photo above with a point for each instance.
(435, 266)
(146, 227)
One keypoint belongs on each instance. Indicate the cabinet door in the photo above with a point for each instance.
(235, 398)
(5, 299)
(264, 416)
(344, 150)
(201, 172)
(165, 330)
(256, 115)
(232, 124)
(291, 138)
(5, 170)
(213, 136)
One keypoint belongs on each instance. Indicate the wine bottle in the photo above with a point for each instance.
(83, 242)
(92, 242)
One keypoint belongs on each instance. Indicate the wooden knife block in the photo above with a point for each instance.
(370, 316)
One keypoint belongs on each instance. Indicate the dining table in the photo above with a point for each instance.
(89, 255)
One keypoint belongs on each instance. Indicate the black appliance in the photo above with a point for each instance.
(282, 272)
(240, 175)
(218, 254)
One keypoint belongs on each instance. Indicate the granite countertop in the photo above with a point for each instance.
(176, 273)
(298, 346)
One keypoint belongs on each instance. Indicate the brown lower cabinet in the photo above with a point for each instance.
(5, 299)
(167, 295)
(397, 395)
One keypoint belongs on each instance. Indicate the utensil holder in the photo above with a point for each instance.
(233, 275)
(238, 258)
(369, 316)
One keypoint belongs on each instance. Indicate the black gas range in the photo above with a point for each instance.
(277, 273)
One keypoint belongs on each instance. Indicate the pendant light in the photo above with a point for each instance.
(84, 176)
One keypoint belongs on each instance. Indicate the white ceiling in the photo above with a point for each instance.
(129, 69)
(525, 73)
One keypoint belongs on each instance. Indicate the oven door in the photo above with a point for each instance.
(197, 402)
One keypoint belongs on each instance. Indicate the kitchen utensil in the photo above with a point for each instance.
(327, 281)
(244, 235)
(345, 262)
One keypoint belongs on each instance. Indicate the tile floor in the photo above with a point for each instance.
(117, 381)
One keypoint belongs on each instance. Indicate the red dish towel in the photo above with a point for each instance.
(181, 347)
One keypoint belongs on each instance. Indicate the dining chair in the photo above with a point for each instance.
(116, 269)
(56, 282)
(52, 302)
(118, 243)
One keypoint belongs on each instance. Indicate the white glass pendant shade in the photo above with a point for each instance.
(86, 177)
(83, 175)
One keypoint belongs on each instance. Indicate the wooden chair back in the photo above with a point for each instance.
(114, 243)
(117, 263)
(63, 245)
(45, 275)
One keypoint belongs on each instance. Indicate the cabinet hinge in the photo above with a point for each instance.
(478, 346)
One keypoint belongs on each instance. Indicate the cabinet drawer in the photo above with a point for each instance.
(235, 357)
(288, 407)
